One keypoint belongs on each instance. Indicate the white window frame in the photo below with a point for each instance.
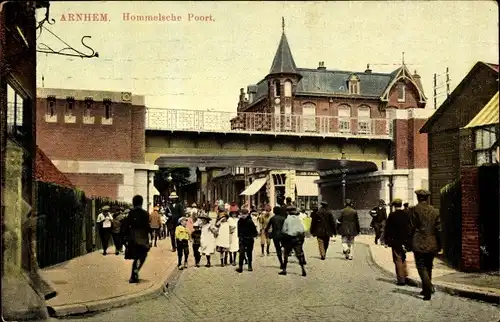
(277, 88)
(277, 118)
(484, 139)
(364, 120)
(309, 121)
(15, 109)
(403, 92)
(288, 88)
(344, 120)
(288, 117)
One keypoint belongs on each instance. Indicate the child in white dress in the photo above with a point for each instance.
(223, 239)
(234, 245)
(208, 236)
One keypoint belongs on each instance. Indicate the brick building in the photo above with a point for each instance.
(18, 24)
(345, 102)
(97, 139)
(463, 141)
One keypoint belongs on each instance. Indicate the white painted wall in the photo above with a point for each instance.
(135, 176)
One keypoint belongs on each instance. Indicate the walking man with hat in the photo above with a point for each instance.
(348, 228)
(105, 223)
(397, 234)
(138, 229)
(323, 227)
(426, 239)
(379, 216)
(176, 211)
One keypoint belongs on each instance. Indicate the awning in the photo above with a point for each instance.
(306, 186)
(487, 116)
(254, 187)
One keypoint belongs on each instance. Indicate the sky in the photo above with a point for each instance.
(201, 65)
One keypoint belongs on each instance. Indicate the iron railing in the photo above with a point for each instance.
(249, 122)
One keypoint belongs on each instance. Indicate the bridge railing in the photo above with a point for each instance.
(249, 122)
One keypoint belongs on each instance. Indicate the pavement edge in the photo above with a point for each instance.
(452, 290)
(159, 288)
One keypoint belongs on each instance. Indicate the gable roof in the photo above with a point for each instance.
(403, 73)
(487, 116)
(283, 62)
(446, 104)
(46, 171)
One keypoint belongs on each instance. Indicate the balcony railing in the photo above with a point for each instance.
(267, 123)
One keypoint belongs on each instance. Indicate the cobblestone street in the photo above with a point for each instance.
(334, 290)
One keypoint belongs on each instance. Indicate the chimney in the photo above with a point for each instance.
(368, 70)
(321, 65)
(252, 92)
(242, 95)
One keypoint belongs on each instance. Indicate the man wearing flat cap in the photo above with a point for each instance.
(397, 235)
(426, 239)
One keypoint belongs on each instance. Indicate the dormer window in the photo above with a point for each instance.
(277, 88)
(401, 93)
(354, 85)
(70, 104)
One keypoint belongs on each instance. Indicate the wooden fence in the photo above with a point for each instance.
(66, 223)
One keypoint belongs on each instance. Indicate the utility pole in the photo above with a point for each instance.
(435, 90)
(447, 82)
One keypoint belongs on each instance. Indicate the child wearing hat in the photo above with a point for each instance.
(207, 238)
(182, 242)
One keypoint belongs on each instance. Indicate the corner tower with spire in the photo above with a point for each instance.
(282, 79)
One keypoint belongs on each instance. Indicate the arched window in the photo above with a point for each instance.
(288, 88)
(401, 92)
(344, 118)
(277, 88)
(364, 119)
(309, 117)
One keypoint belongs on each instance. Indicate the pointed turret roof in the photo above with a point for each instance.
(283, 62)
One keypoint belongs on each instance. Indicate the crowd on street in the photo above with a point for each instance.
(230, 235)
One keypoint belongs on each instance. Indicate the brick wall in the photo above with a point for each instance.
(401, 143)
(470, 215)
(123, 140)
(411, 96)
(417, 145)
(100, 185)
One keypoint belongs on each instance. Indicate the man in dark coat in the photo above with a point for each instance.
(348, 228)
(323, 228)
(379, 216)
(246, 235)
(397, 234)
(426, 239)
(137, 227)
(175, 211)
(276, 224)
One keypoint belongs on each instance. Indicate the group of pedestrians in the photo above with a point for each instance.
(233, 232)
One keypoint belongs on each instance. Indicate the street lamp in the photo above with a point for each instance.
(343, 163)
(169, 181)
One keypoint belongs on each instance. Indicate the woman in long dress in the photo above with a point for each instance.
(223, 240)
(208, 236)
(234, 245)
